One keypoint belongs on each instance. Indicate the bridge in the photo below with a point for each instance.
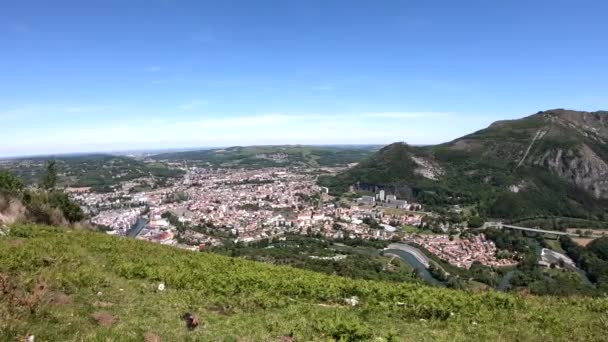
(500, 225)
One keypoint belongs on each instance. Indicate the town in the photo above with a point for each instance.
(207, 206)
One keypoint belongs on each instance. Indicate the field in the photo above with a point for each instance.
(583, 241)
(63, 285)
(589, 232)
(410, 229)
(554, 245)
(401, 212)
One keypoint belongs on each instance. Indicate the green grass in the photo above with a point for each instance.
(555, 245)
(240, 300)
(410, 229)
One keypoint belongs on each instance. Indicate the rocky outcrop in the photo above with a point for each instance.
(427, 168)
(582, 166)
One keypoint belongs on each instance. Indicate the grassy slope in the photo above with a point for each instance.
(242, 300)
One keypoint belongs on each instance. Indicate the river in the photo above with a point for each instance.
(417, 265)
(137, 227)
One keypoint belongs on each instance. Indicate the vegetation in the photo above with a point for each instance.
(10, 185)
(530, 276)
(63, 285)
(269, 156)
(45, 204)
(96, 171)
(49, 180)
(483, 171)
(593, 259)
(358, 261)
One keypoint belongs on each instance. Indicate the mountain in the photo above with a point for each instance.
(75, 285)
(274, 156)
(552, 163)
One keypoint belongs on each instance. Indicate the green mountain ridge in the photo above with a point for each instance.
(553, 163)
(69, 285)
(274, 156)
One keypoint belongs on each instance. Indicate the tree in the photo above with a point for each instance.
(49, 181)
(475, 222)
(9, 184)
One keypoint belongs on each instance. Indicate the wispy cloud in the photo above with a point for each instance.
(193, 104)
(186, 130)
(153, 68)
(85, 109)
(30, 111)
(167, 80)
(323, 87)
(407, 115)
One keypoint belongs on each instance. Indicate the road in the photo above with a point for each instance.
(499, 225)
(423, 259)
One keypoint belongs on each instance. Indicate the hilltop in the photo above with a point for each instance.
(552, 163)
(273, 156)
(67, 285)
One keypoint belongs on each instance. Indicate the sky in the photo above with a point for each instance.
(109, 75)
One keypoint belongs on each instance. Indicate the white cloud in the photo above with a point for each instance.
(153, 68)
(273, 128)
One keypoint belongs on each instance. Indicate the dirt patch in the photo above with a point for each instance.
(592, 233)
(583, 241)
(326, 305)
(103, 318)
(464, 145)
(221, 309)
(58, 298)
(103, 304)
(152, 337)
(16, 242)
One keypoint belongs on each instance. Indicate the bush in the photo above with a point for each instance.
(9, 184)
(475, 222)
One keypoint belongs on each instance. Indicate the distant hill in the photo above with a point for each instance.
(88, 170)
(67, 285)
(553, 163)
(269, 156)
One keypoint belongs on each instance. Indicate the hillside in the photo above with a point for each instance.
(89, 170)
(269, 156)
(63, 285)
(552, 163)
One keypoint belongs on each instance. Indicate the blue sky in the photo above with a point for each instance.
(102, 75)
